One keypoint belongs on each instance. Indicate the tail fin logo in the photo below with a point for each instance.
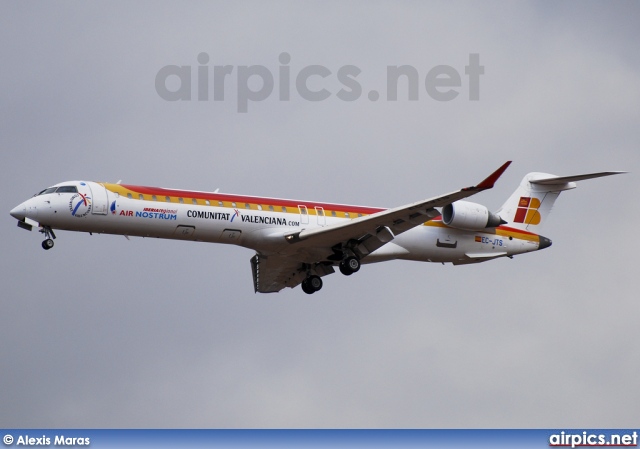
(527, 211)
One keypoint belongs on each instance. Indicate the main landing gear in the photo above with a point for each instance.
(49, 234)
(311, 284)
(349, 265)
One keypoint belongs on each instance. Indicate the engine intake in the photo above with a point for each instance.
(469, 216)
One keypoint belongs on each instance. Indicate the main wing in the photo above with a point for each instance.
(397, 220)
(319, 248)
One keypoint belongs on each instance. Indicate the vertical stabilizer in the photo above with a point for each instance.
(529, 206)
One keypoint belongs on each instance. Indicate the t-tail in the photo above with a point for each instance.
(529, 206)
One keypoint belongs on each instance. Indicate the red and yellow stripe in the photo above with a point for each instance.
(237, 201)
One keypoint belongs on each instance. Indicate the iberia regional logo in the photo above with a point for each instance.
(527, 211)
(80, 205)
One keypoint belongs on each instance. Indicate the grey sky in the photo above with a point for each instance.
(105, 332)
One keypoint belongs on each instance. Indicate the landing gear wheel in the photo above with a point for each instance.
(311, 284)
(49, 236)
(315, 282)
(345, 270)
(349, 266)
(307, 288)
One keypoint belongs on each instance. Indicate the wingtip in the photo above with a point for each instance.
(490, 180)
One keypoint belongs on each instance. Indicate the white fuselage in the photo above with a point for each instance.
(257, 223)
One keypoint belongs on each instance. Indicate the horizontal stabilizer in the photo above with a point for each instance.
(559, 180)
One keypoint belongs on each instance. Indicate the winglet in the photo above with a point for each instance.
(490, 180)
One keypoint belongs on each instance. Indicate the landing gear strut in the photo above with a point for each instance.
(311, 284)
(49, 234)
(349, 265)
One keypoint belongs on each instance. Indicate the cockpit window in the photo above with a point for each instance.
(49, 190)
(61, 189)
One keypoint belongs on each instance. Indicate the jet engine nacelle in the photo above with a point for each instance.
(469, 216)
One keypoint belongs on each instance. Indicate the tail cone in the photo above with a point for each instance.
(544, 243)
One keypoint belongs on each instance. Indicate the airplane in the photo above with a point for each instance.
(299, 242)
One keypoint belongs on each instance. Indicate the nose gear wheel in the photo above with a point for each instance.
(47, 244)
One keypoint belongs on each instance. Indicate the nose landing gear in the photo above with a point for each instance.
(47, 244)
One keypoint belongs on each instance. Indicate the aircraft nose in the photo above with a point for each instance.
(19, 212)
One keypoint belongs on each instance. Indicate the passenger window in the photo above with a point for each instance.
(259, 207)
(247, 206)
(154, 198)
(346, 214)
(220, 203)
(207, 203)
(233, 205)
(333, 213)
(284, 209)
(359, 215)
(180, 200)
(194, 201)
(168, 199)
(271, 208)
(129, 196)
(141, 196)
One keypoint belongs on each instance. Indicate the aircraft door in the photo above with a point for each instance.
(304, 215)
(99, 197)
(322, 220)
